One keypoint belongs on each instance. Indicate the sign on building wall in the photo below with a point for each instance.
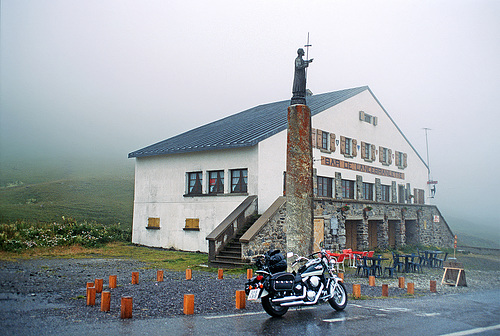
(360, 167)
(436, 219)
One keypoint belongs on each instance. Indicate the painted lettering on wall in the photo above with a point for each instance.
(361, 168)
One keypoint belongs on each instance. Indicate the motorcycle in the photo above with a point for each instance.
(278, 290)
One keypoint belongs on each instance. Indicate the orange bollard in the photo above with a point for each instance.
(135, 278)
(401, 282)
(341, 275)
(98, 285)
(411, 288)
(90, 296)
(105, 301)
(159, 276)
(189, 274)
(240, 299)
(433, 286)
(356, 291)
(371, 280)
(112, 281)
(249, 273)
(90, 284)
(385, 290)
(126, 307)
(221, 274)
(188, 304)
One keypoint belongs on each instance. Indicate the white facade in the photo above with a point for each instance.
(161, 181)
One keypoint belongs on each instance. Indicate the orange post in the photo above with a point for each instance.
(105, 301)
(240, 299)
(356, 291)
(249, 273)
(112, 281)
(98, 285)
(188, 304)
(90, 296)
(189, 274)
(401, 282)
(221, 274)
(371, 280)
(90, 284)
(159, 276)
(410, 288)
(433, 286)
(135, 278)
(341, 275)
(385, 290)
(126, 307)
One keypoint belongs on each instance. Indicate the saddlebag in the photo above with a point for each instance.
(282, 281)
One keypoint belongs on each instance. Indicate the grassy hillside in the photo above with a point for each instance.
(46, 191)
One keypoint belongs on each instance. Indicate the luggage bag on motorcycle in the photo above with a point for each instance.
(275, 261)
(281, 281)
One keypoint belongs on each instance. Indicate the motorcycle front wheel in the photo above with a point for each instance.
(271, 308)
(339, 299)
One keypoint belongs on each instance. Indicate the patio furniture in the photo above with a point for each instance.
(439, 262)
(398, 264)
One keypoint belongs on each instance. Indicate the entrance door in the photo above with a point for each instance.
(319, 233)
(351, 234)
(372, 235)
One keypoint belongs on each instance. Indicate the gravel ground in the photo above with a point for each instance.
(56, 287)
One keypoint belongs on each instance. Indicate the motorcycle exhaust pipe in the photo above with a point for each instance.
(302, 302)
(290, 298)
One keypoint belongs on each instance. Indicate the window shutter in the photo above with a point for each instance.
(361, 115)
(332, 142)
(373, 152)
(313, 137)
(342, 144)
(390, 156)
(397, 159)
(405, 160)
(375, 121)
(319, 138)
(381, 154)
(354, 147)
(363, 150)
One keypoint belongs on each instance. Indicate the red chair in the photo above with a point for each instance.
(338, 262)
(370, 254)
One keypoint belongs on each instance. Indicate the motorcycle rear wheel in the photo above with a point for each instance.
(339, 299)
(271, 308)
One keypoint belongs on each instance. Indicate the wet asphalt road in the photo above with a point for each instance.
(474, 313)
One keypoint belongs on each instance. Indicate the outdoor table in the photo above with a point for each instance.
(374, 265)
(407, 261)
(432, 255)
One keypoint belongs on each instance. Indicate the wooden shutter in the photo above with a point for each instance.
(361, 115)
(405, 160)
(192, 223)
(398, 163)
(373, 152)
(342, 144)
(319, 138)
(390, 156)
(332, 142)
(375, 121)
(153, 222)
(354, 147)
(313, 138)
(381, 154)
(363, 150)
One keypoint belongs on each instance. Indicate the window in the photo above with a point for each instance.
(386, 193)
(367, 151)
(216, 182)
(194, 183)
(192, 224)
(324, 140)
(348, 146)
(401, 160)
(419, 196)
(363, 116)
(153, 223)
(385, 156)
(348, 189)
(401, 194)
(368, 191)
(239, 180)
(324, 186)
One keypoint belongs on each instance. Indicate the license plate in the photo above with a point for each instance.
(254, 294)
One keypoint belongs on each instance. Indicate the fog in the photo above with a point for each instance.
(96, 80)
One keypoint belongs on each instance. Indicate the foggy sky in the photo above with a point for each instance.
(101, 78)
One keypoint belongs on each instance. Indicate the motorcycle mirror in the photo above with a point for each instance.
(289, 254)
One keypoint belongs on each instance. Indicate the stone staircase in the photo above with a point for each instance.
(230, 255)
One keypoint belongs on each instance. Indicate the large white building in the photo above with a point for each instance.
(188, 187)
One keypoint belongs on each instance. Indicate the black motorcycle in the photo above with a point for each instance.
(278, 290)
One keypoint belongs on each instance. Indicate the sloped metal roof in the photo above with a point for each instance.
(243, 129)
